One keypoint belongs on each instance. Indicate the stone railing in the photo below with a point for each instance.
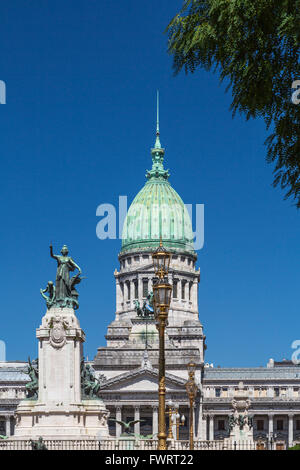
(123, 444)
(82, 444)
(215, 445)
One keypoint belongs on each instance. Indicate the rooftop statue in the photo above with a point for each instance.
(51, 291)
(147, 310)
(90, 385)
(64, 293)
(32, 387)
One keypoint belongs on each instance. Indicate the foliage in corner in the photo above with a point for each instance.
(255, 44)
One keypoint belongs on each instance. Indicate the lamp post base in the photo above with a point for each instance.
(162, 438)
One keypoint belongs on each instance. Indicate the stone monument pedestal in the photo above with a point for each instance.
(59, 411)
(241, 426)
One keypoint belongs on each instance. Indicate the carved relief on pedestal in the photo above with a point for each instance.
(58, 332)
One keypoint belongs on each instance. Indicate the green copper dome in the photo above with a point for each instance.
(157, 212)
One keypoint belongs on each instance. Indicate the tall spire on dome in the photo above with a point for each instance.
(157, 142)
(157, 152)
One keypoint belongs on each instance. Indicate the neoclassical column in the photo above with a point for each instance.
(119, 418)
(7, 426)
(271, 424)
(195, 294)
(140, 287)
(119, 295)
(204, 427)
(211, 427)
(291, 429)
(200, 428)
(187, 288)
(137, 429)
(155, 421)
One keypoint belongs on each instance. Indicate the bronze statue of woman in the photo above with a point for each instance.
(65, 264)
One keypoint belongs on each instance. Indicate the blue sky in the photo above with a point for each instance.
(76, 132)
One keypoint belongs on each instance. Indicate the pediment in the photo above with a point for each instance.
(140, 380)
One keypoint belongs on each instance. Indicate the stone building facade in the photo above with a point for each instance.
(128, 364)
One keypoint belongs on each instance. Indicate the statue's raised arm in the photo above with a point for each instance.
(51, 252)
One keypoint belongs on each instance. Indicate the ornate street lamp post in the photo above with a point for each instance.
(162, 298)
(179, 421)
(191, 388)
(171, 412)
(174, 419)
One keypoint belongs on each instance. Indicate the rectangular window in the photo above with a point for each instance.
(136, 289)
(295, 392)
(128, 290)
(190, 290)
(276, 391)
(224, 392)
(183, 290)
(112, 427)
(260, 424)
(221, 425)
(283, 392)
(297, 424)
(280, 425)
(218, 392)
(2, 428)
(175, 290)
(145, 287)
